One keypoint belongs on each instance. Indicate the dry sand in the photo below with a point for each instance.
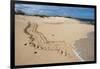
(51, 40)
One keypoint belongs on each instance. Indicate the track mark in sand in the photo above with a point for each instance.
(53, 35)
(25, 44)
(38, 41)
(25, 30)
(35, 52)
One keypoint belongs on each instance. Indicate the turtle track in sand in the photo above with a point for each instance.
(38, 41)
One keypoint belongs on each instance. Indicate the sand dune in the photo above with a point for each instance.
(51, 40)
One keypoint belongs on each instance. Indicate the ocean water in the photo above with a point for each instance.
(76, 12)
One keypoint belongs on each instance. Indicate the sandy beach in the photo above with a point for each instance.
(43, 40)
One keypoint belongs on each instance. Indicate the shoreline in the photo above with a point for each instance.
(83, 47)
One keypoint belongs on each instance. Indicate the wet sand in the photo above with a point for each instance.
(50, 40)
(85, 47)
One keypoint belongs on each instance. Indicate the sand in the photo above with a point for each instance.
(87, 53)
(51, 40)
